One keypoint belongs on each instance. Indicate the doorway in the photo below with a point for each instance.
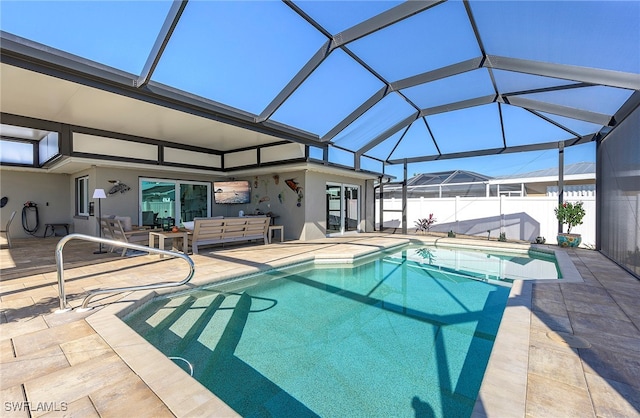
(173, 201)
(342, 208)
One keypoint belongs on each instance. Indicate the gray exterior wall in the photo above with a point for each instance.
(41, 188)
(316, 206)
(269, 194)
(618, 182)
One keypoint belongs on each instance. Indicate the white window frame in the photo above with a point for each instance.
(82, 196)
(342, 231)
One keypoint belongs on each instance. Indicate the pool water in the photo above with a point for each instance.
(392, 336)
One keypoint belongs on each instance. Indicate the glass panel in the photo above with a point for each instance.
(580, 159)
(119, 34)
(467, 129)
(451, 89)
(316, 153)
(383, 150)
(522, 127)
(578, 126)
(16, 152)
(370, 164)
(157, 202)
(510, 81)
(339, 156)
(48, 147)
(351, 207)
(237, 53)
(431, 39)
(600, 34)
(21, 132)
(416, 142)
(333, 91)
(336, 16)
(386, 113)
(600, 99)
(334, 209)
(194, 201)
(493, 165)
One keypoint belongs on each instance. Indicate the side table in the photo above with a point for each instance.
(163, 235)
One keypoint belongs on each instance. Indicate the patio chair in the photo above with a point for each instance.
(115, 231)
(6, 229)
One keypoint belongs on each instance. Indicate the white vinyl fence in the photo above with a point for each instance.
(521, 218)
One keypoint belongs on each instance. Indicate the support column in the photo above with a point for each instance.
(404, 199)
(381, 214)
(560, 179)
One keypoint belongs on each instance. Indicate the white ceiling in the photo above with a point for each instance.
(40, 96)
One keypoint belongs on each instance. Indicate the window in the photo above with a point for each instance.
(173, 201)
(82, 196)
(16, 152)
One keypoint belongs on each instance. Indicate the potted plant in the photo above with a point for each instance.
(424, 225)
(570, 214)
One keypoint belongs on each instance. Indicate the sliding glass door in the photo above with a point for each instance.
(334, 209)
(170, 202)
(343, 208)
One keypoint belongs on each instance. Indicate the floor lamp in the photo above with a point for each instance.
(99, 194)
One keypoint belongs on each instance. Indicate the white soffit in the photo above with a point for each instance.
(40, 96)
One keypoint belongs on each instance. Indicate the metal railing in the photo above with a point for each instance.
(92, 293)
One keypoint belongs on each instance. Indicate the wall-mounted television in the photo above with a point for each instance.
(231, 192)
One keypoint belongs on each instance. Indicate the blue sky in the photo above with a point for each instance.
(243, 53)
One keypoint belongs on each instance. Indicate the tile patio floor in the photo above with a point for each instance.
(91, 364)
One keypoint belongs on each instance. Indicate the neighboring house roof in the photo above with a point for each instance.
(447, 177)
(583, 170)
(571, 169)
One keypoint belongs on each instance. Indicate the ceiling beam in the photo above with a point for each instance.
(437, 74)
(569, 112)
(361, 110)
(24, 53)
(384, 19)
(547, 89)
(553, 122)
(496, 151)
(464, 104)
(296, 81)
(627, 108)
(566, 72)
(386, 134)
(170, 23)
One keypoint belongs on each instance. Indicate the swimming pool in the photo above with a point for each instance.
(390, 336)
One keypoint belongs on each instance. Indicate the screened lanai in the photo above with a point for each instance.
(368, 86)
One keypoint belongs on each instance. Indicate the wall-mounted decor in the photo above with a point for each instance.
(118, 186)
(293, 185)
(231, 192)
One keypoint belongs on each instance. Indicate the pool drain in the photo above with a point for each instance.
(568, 339)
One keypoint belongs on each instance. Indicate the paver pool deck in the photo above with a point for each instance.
(91, 364)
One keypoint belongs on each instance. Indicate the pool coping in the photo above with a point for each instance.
(503, 389)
